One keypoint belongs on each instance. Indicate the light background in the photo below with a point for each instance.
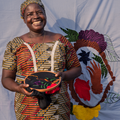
(101, 15)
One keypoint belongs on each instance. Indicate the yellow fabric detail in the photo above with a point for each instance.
(83, 113)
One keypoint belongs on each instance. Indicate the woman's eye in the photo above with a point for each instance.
(40, 12)
(30, 14)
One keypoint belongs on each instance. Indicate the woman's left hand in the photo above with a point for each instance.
(60, 74)
(70, 74)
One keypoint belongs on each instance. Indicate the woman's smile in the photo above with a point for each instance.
(37, 23)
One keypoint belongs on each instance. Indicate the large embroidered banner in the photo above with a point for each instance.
(94, 91)
(92, 26)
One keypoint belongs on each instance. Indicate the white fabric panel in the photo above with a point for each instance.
(101, 15)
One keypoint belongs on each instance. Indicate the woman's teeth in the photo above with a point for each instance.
(36, 23)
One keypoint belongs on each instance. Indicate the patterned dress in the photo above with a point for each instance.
(18, 57)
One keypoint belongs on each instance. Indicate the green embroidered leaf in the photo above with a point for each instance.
(112, 98)
(104, 70)
(47, 78)
(52, 79)
(98, 59)
(72, 35)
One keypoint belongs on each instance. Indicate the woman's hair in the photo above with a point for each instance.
(26, 3)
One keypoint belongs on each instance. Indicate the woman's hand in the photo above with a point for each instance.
(60, 74)
(8, 81)
(70, 74)
(21, 89)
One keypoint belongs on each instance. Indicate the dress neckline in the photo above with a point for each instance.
(39, 43)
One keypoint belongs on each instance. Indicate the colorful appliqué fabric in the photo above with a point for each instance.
(95, 86)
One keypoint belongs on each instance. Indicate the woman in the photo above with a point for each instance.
(18, 63)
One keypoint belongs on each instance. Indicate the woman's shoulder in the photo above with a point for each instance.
(60, 37)
(53, 36)
(14, 43)
(52, 33)
(57, 35)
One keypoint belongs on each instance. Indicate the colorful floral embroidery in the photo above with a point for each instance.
(94, 50)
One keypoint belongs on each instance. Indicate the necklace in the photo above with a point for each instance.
(32, 40)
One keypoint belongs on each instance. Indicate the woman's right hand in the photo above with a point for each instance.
(8, 81)
(21, 89)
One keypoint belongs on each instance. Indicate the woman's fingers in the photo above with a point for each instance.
(23, 90)
(58, 74)
(24, 85)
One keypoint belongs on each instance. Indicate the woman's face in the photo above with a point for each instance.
(35, 17)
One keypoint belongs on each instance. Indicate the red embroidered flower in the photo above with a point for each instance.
(82, 88)
(54, 90)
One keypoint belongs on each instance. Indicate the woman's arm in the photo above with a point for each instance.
(8, 81)
(70, 74)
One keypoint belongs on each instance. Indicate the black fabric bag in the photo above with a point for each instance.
(44, 100)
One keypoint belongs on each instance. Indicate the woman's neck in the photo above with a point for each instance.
(36, 34)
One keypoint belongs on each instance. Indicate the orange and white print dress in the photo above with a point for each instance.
(18, 57)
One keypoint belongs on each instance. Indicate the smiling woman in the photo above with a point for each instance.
(35, 18)
(36, 51)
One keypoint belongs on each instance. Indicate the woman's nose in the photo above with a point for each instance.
(36, 15)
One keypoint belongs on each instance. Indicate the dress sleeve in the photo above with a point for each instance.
(71, 56)
(9, 59)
